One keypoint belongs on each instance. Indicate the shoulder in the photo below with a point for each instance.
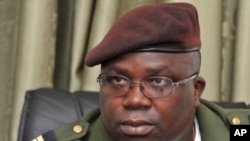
(72, 131)
(214, 121)
(226, 114)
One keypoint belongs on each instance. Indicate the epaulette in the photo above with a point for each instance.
(71, 131)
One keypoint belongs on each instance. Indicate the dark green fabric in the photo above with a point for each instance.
(214, 123)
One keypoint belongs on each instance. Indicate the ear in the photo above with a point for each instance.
(199, 86)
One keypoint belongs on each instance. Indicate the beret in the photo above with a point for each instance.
(159, 27)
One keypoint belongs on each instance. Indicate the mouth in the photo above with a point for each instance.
(136, 127)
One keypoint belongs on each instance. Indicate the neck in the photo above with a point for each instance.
(189, 135)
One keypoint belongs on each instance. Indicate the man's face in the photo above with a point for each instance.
(135, 117)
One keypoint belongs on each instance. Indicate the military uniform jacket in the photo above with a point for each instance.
(214, 123)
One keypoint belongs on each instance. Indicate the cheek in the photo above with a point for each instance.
(185, 95)
(109, 107)
(176, 111)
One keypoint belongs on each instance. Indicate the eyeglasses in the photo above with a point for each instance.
(151, 87)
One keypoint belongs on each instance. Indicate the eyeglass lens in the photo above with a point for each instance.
(152, 87)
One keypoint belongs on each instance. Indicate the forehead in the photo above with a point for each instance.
(173, 63)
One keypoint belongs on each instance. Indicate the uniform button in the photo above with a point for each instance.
(77, 128)
(236, 121)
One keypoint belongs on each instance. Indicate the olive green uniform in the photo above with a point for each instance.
(214, 123)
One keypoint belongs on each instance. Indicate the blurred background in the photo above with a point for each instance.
(43, 43)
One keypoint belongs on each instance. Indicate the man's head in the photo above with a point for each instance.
(161, 27)
(149, 79)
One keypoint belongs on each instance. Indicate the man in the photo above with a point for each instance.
(150, 86)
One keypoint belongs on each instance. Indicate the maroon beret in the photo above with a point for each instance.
(162, 27)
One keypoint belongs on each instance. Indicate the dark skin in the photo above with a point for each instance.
(135, 117)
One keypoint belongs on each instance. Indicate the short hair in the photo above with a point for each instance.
(196, 61)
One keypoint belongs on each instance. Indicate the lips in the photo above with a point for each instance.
(136, 127)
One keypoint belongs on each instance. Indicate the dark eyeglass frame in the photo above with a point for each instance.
(172, 86)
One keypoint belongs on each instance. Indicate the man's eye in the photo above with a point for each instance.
(158, 82)
(116, 80)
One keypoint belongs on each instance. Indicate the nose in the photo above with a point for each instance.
(135, 99)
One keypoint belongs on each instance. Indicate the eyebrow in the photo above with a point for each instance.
(159, 70)
(151, 70)
(112, 68)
